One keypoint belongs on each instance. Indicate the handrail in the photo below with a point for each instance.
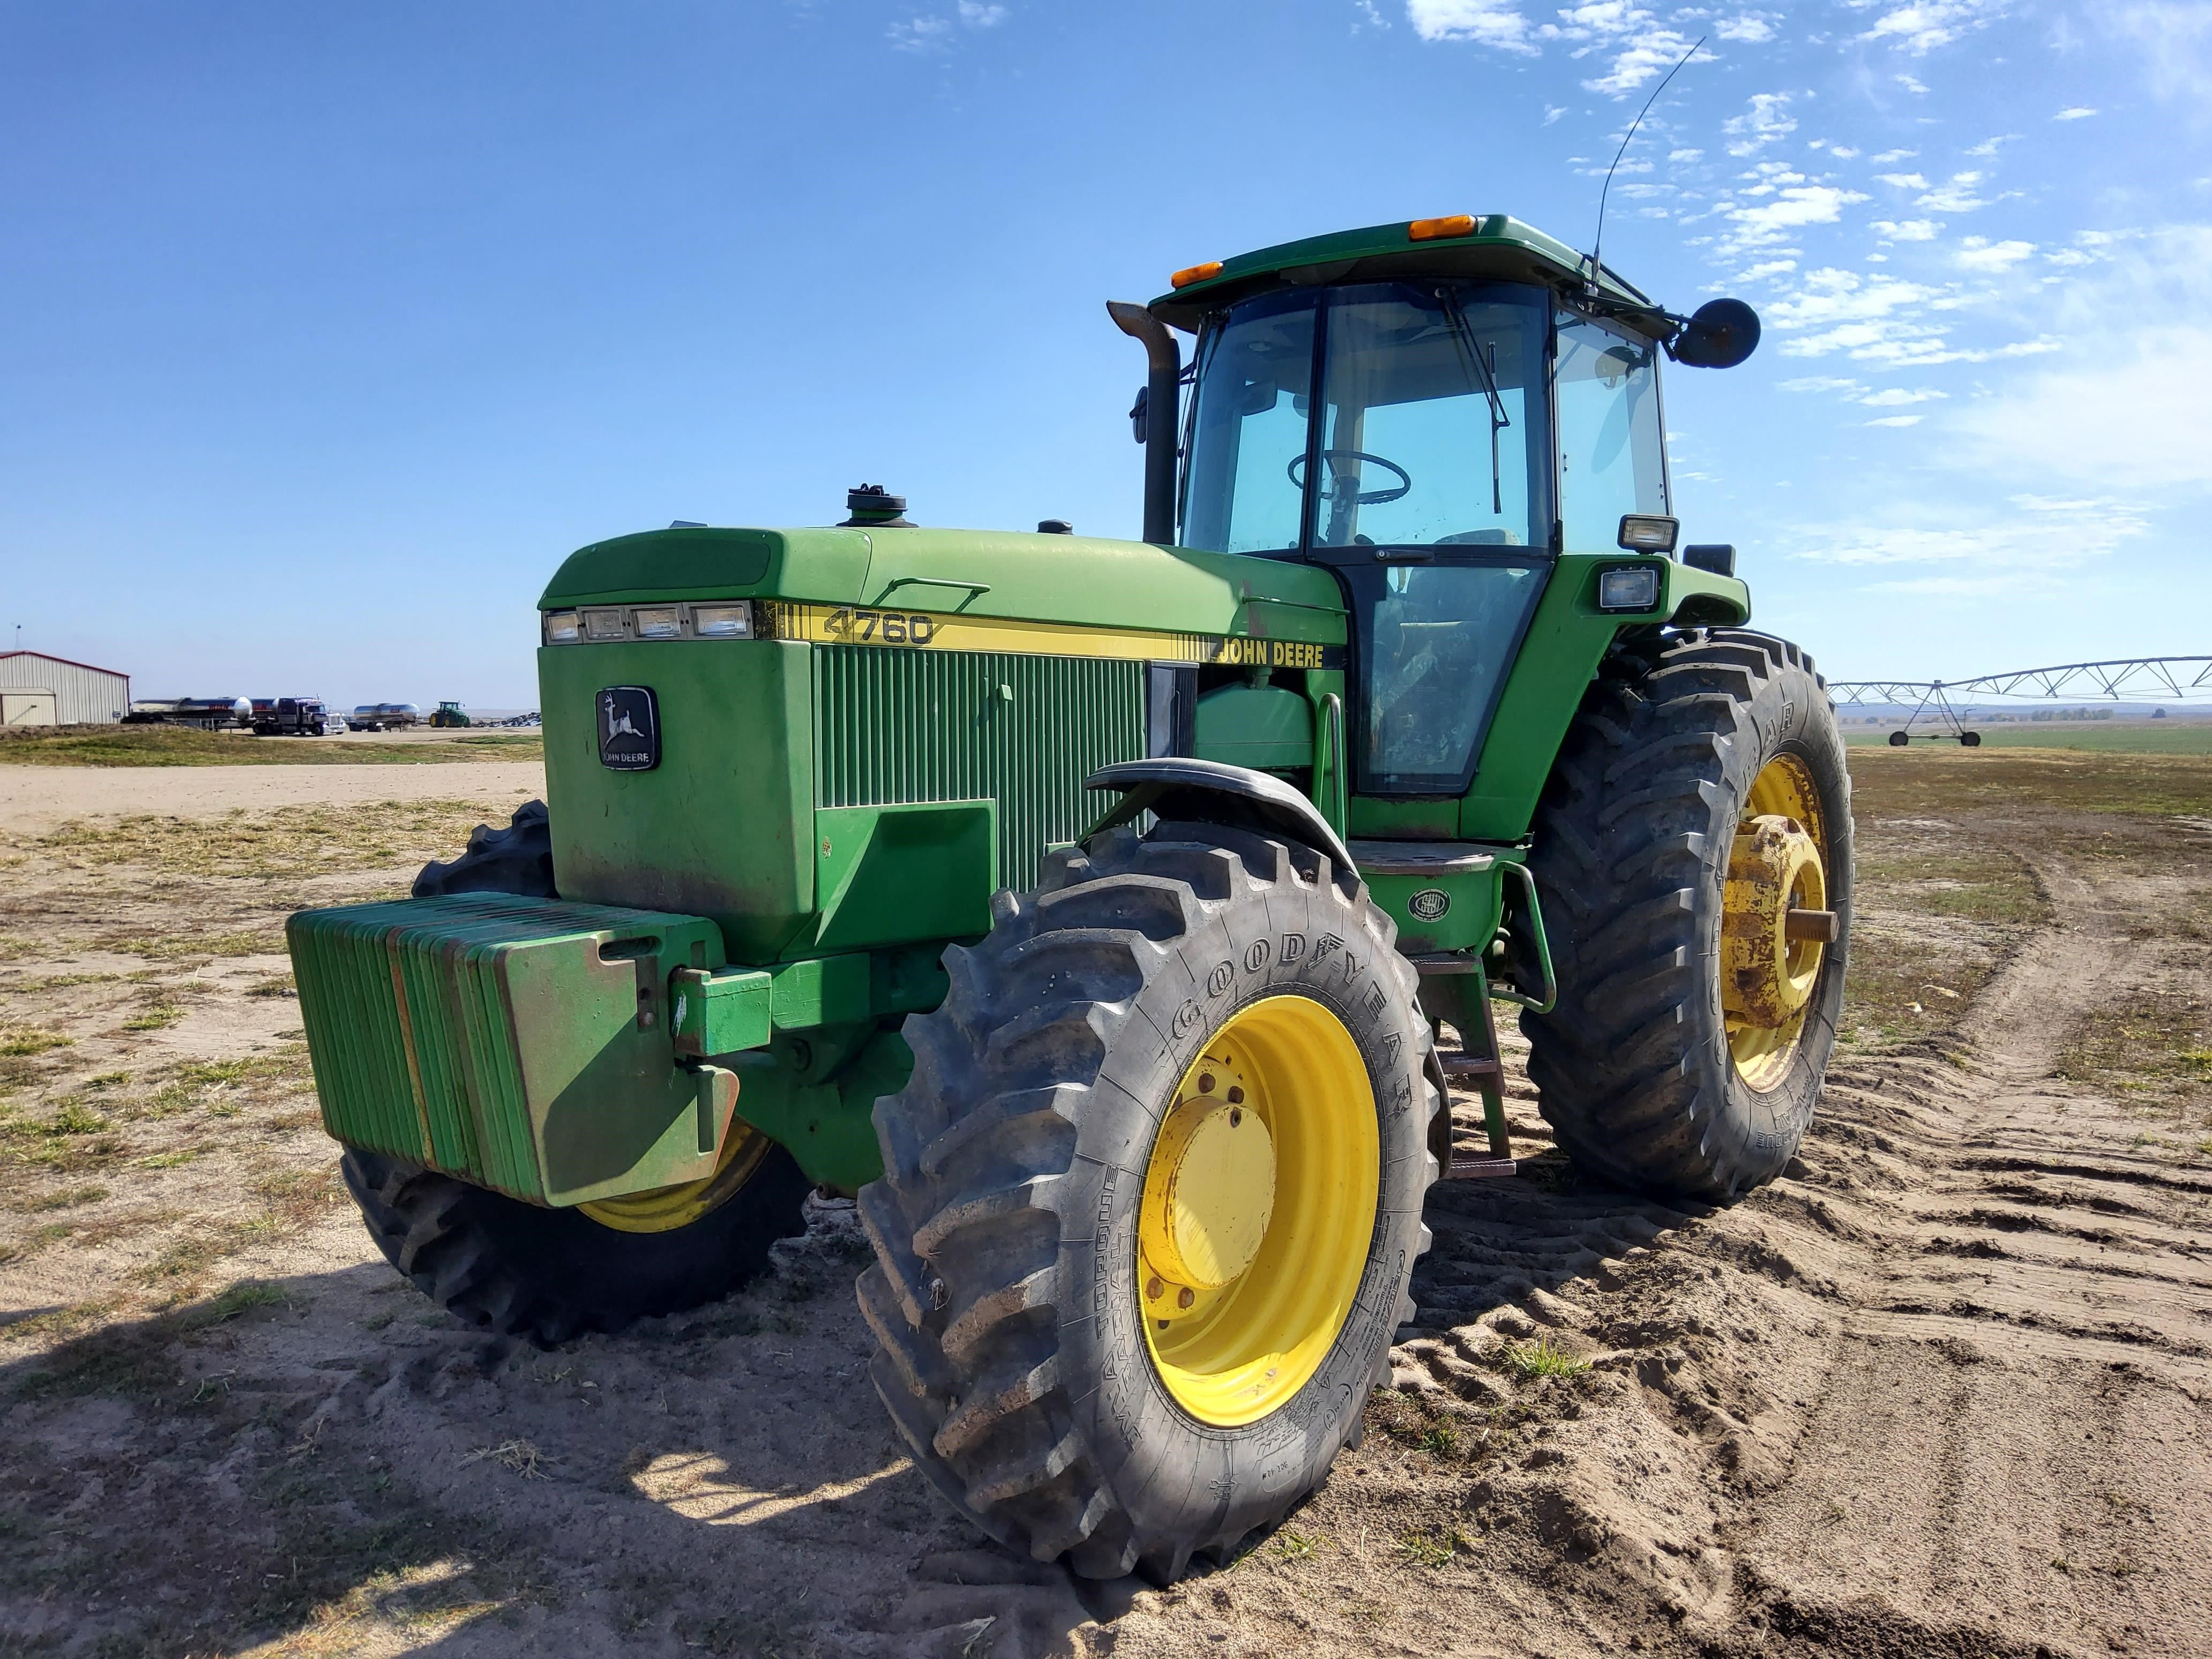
(1337, 808)
(1550, 998)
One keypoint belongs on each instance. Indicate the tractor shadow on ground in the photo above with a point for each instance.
(328, 1455)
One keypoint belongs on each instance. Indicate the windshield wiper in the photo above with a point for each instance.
(1463, 338)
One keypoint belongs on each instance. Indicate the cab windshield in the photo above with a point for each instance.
(1432, 430)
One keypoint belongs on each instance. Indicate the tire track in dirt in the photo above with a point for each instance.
(1940, 1389)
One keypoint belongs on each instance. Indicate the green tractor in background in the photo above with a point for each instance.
(450, 714)
(1094, 910)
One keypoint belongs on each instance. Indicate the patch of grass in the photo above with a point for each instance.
(67, 1198)
(31, 1041)
(182, 745)
(1432, 1549)
(280, 986)
(108, 1080)
(188, 1258)
(176, 945)
(520, 1455)
(155, 1016)
(1419, 1423)
(1543, 1357)
(1952, 783)
(175, 1160)
(58, 1321)
(286, 842)
(74, 1118)
(240, 1299)
(57, 982)
(2155, 1047)
(1294, 1547)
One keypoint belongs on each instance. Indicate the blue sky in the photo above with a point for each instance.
(329, 330)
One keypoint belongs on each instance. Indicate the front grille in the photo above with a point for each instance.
(892, 726)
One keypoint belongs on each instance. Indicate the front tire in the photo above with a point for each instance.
(1649, 1069)
(550, 1274)
(1057, 1383)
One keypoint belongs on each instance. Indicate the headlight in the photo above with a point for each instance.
(1649, 533)
(563, 628)
(1633, 587)
(658, 622)
(722, 622)
(606, 624)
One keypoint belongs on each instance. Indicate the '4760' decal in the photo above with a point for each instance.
(889, 627)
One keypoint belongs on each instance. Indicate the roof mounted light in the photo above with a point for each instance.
(1649, 533)
(1452, 224)
(1199, 273)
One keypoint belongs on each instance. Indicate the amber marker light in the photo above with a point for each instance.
(1189, 274)
(1452, 224)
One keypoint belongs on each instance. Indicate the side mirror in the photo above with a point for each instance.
(1720, 334)
(1136, 412)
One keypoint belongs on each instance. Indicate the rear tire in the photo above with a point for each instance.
(1633, 1066)
(1018, 1356)
(550, 1274)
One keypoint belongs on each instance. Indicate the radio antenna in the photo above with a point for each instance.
(1589, 286)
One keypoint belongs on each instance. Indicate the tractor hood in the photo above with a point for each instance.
(1493, 245)
(974, 575)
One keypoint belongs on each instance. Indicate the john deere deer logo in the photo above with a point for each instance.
(629, 729)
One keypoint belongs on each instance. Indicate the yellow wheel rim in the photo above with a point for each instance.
(1779, 863)
(1258, 1210)
(665, 1209)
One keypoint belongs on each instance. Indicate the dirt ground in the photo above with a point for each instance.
(1940, 1390)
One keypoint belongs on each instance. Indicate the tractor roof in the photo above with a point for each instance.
(1463, 245)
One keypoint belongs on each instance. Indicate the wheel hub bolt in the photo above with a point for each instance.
(1153, 1290)
(1185, 1296)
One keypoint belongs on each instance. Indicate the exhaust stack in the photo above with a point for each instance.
(1164, 359)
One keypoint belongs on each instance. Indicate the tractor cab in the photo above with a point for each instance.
(1437, 412)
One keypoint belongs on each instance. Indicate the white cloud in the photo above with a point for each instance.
(1752, 27)
(2078, 112)
(1792, 204)
(1979, 254)
(1911, 83)
(1922, 26)
(1897, 397)
(1553, 113)
(1764, 269)
(1876, 318)
(1890, 155)
(1494, 23)
(1991, 146)
(1906, 230)
(1955, 197)
(2012, 536)
(1818, 383)
(935, 34)
(2177, 40)
(2130, 405)
(1902, 180)
(1896, 420)
(1766, 122)
(1685, 155)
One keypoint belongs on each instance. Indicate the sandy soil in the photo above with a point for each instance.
(34, 798)
(1941, 1390)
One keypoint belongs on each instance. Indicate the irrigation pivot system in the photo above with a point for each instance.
(2172, 679)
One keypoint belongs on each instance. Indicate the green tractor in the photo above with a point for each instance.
(1096, 911)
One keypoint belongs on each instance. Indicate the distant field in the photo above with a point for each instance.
(2145, 738)
(180, 745)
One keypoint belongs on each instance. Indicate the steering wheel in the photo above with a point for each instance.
(1365, 497)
